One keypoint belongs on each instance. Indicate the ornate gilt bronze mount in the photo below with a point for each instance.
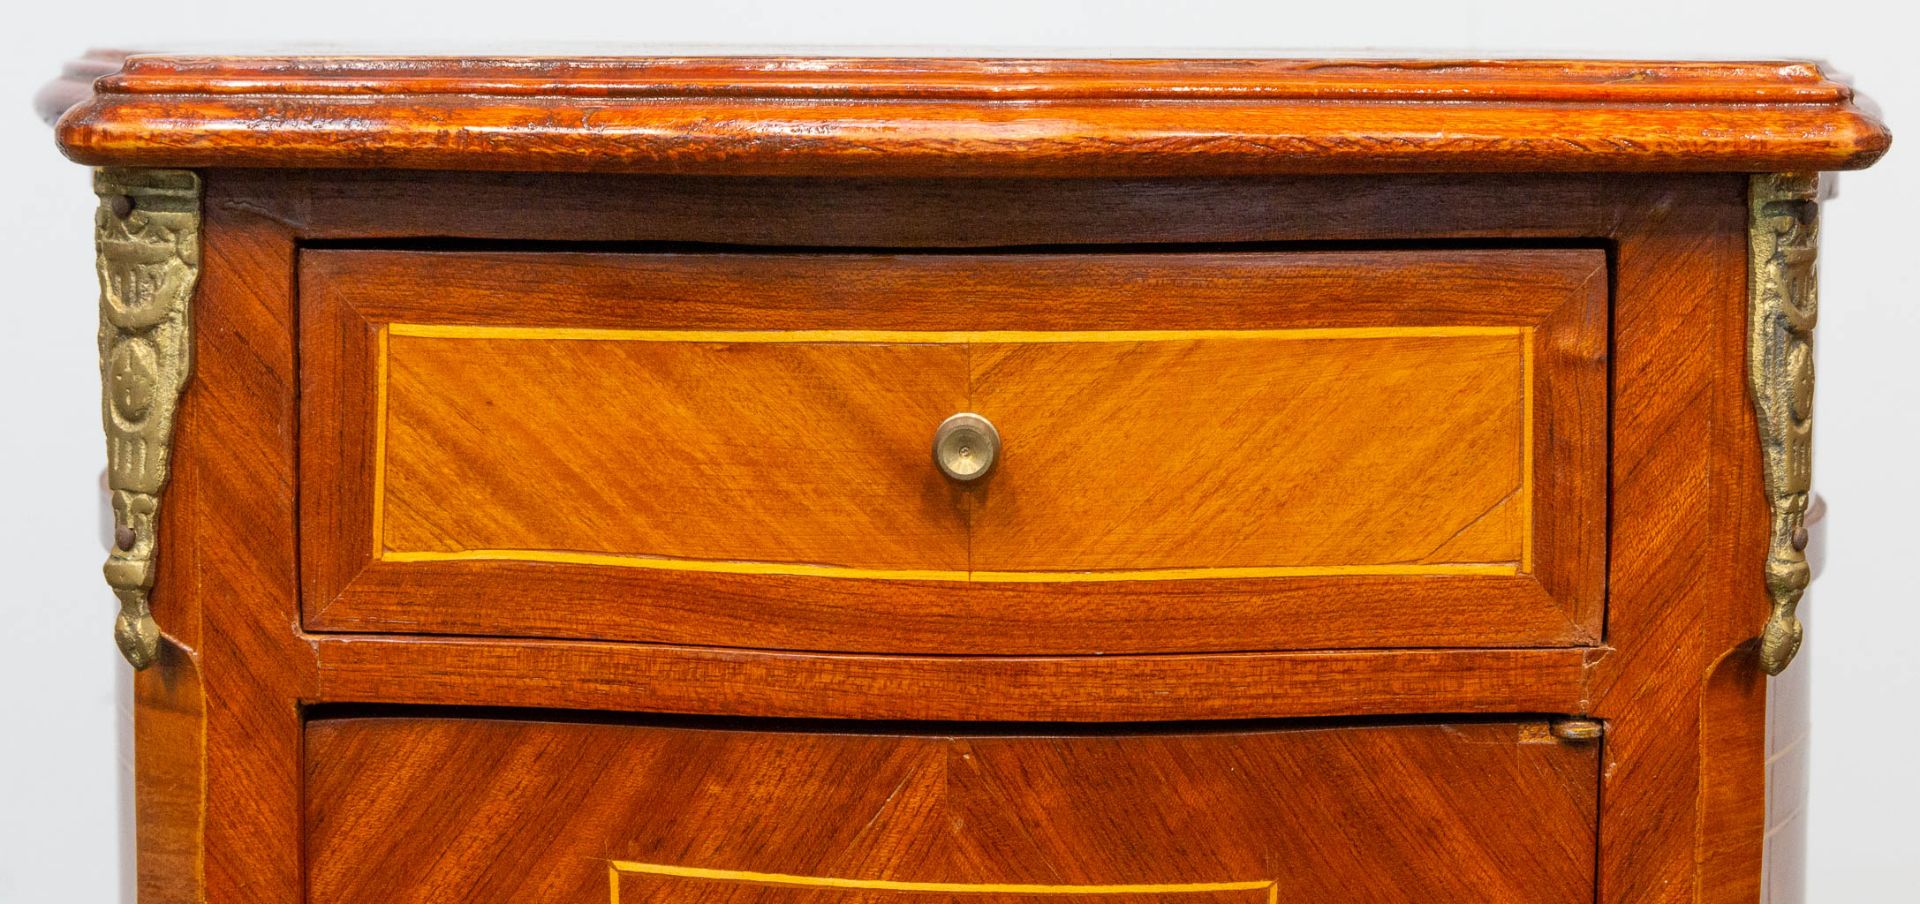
(1783, 237)
(147, 251)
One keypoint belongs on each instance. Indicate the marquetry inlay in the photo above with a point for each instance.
(664, 882)
(1443, 486)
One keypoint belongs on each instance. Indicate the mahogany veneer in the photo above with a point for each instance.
(897, 117)
(1418, 458)
(1378, 513)
(1373, 814)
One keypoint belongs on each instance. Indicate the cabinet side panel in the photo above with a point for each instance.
(169, 737)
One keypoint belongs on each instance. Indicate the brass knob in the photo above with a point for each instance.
(965, 446)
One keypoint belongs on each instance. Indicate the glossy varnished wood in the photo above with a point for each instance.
(1398, 451)
(655, 452)
(971, 117)
(482, 811)
(170, 768)
(1681, 819)
(710, 681)
(1172, 455)
(218, 717)
(1680, 594)
(1308, 450)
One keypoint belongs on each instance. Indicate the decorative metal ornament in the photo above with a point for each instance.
(1783, 303)
(147, 251)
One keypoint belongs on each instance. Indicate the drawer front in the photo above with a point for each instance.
(404, 809)
(1199, 451)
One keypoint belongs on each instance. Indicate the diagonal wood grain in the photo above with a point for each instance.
(1340, 452)
(413, 810)
(788, 452)
(1201, 449)
(1683, 806)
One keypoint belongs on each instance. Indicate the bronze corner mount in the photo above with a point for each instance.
(1783, 305)
(147, 252)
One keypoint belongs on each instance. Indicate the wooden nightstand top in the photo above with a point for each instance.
(849, 115)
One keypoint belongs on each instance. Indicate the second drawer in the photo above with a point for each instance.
(428, 809)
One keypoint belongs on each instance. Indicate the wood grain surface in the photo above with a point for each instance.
(1247, 453)
(1338, 452)
(218, 717)
(475, 811)
(659, 452)
(962, 117)
(626, 677)
(1682, 769)
(1279, 450)
(1683, 698)
(170, 769)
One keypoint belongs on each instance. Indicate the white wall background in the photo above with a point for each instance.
(62, 757)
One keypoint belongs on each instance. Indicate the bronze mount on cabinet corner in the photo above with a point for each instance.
(147, 245)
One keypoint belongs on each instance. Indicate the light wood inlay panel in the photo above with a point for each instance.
(726, 453)
(534, 812)
(1377, 453)
(1130, 455)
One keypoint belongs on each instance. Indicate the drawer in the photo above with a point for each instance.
(435, 809)
(1198, 451)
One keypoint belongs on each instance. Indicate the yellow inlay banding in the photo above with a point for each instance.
(961, 888)
(380, 442)
(617, 560)
(934, 337)
(1526, 450)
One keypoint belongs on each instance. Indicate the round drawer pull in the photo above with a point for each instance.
(965, 446)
